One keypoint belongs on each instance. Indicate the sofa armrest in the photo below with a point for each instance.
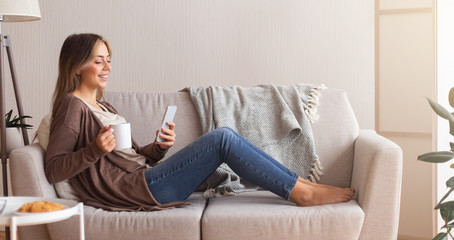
(27, 172)
(377, 177)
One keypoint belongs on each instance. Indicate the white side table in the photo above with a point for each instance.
(12, 218)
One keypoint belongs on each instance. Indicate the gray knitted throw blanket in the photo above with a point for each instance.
(277, 119)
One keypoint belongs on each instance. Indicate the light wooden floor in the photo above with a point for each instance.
(3, 236)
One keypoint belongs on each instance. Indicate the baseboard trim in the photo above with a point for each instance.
(403, 237)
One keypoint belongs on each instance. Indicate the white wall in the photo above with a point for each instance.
(168, 45)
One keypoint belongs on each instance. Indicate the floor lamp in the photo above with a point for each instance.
(12, 11)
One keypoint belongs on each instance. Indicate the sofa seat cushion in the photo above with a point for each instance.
(263, 215)
(176, 223)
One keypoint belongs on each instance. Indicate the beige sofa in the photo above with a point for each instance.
(350, 157)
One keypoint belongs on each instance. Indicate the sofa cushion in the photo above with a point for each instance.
(145, 111)
(177, 223)
(335, 133)
(263, 215)
(43, 131)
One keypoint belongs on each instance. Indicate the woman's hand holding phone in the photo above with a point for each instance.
(167, 135)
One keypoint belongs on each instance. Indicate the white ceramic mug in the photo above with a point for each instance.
(122, 134)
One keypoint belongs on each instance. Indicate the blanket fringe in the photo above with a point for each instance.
(316, 171)
(314, 96)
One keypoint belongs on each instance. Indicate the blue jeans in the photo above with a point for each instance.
(182, 173)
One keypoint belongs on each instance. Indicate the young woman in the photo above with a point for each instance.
(81, 147)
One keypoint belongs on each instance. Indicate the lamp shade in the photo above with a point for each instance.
(19, 10)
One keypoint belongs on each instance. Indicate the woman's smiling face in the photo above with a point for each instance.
(94, 75)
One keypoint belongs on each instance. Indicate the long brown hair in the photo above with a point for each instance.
(76, 52)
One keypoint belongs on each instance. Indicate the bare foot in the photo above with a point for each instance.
(305, 194)
(302, 180)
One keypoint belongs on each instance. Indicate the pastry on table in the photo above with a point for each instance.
(40, 206)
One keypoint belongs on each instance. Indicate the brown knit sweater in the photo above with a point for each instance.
(102, 180)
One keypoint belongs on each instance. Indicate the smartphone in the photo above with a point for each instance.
(168, 117)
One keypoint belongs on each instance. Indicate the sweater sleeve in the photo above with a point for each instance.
(63, 159)
(152, 152)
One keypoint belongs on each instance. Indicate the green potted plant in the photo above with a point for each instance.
(13, 130)
(446, 208)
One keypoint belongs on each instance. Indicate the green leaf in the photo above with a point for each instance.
(8, 115)
(450, 182)
(451, 97)
(16, 121)
(436, 157)
(444, 198)
(441, 236)
(451, 144)
(440, 110)
(447, 211)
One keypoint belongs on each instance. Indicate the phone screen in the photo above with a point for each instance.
(168, 117)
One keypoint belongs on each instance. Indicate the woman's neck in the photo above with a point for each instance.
(87, 96)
